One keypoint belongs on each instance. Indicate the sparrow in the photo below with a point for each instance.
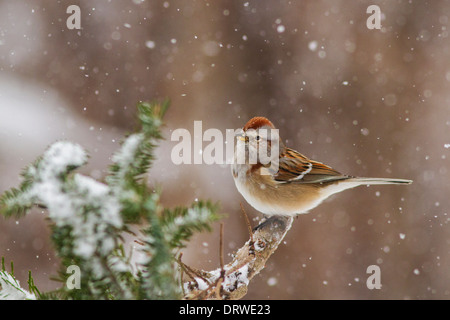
(295, 184)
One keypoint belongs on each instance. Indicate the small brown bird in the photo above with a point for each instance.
(297, 185)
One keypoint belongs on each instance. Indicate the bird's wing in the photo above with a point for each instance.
(296, 168)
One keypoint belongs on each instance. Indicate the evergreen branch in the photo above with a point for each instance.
(85, 215)
(135, 156)
(87, 219)
(32, 287)
(168, 231)
(181, 223)
(10, 288)
(15, 202)
(59, 159)
(132, 161)
(158, 276)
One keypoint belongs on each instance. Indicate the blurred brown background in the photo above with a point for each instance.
(366, 102)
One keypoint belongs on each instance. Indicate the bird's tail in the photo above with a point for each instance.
(370, 181)
(352, 182)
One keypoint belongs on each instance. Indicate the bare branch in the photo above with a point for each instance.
(247, 262)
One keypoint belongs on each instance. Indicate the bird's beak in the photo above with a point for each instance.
(241, 135)
(243, 138)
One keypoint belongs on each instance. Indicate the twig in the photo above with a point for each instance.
(221, 248)
(191, 272)
(250, 231)
(215, 287)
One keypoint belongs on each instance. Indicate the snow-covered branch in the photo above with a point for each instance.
(10, 288)
(231, 281)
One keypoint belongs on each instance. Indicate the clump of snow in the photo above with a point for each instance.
(60, 156)
(202, 285)
(125, 157)
(231, 281)
(91, 231)
(236, 279)
(85, 205)
(259, 245)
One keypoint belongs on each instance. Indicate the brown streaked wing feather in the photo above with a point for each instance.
(292, 164)
(295, 167)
